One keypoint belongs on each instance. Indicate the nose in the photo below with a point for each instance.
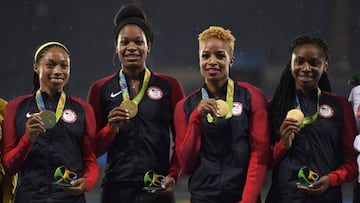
(131, 46)
(57, 69)
(306, 67)
(212, 60)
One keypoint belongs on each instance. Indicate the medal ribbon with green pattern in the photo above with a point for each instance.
(311, 118)
(59, 108)
(229, 99)
(125, 90)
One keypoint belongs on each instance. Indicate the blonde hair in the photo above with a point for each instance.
(218, 33)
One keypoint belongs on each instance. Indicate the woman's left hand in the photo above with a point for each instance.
(78, 188)
(318, 188)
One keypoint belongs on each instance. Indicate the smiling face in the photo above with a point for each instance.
(132, 47)
(307, 65)
(53, 70)
(215, 60)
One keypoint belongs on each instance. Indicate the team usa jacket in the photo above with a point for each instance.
(325, 146)
(227, 160)
(70, 143)
(144, 142)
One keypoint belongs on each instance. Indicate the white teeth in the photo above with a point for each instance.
(306, 78)
(56, 80)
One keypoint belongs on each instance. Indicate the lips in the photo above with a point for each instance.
(57, 80)
(132, 56)
(212, 71)
(306, 78)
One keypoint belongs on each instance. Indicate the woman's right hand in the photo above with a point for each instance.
(207, 106)
(288, 129)
(34, 127)
(117, 117)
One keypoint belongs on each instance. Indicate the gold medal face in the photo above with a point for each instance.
(222, 107)
(296, 114)
(131, 107)
(49, 118)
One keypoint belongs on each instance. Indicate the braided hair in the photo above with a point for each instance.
(283, 99)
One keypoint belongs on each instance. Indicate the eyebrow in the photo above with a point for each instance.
(220, 51)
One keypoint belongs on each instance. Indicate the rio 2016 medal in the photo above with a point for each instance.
(296, 114)
(131, 107)
(49, 118)
(223, 108)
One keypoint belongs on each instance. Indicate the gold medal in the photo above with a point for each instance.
(49, 118)
(131, 107)
(223, 108)
(296, 114)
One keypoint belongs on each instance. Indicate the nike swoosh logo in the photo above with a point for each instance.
(112, 95)
(28, 114)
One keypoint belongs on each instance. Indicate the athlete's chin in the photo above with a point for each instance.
(57, 87)
(308, 85)
(133, 65)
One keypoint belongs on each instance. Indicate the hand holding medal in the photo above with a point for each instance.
(222, 108)
(287, 126)
(34, 127)
(297, 115)
(131, 107)
(48, 118)
(127, 110)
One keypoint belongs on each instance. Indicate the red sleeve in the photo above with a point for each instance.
(103, 140)
(103, 137)
(15, 150)
(188, 137)
(177, 93)
(260, 145)
(90, 166)
(94, 96)
(348, 170)
(278, 151)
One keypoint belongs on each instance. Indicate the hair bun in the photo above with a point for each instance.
(131, 14)
(128, 11)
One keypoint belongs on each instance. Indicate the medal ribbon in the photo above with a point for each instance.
(311, 118)
(60, 105)
(125, 90)
(229, 99)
